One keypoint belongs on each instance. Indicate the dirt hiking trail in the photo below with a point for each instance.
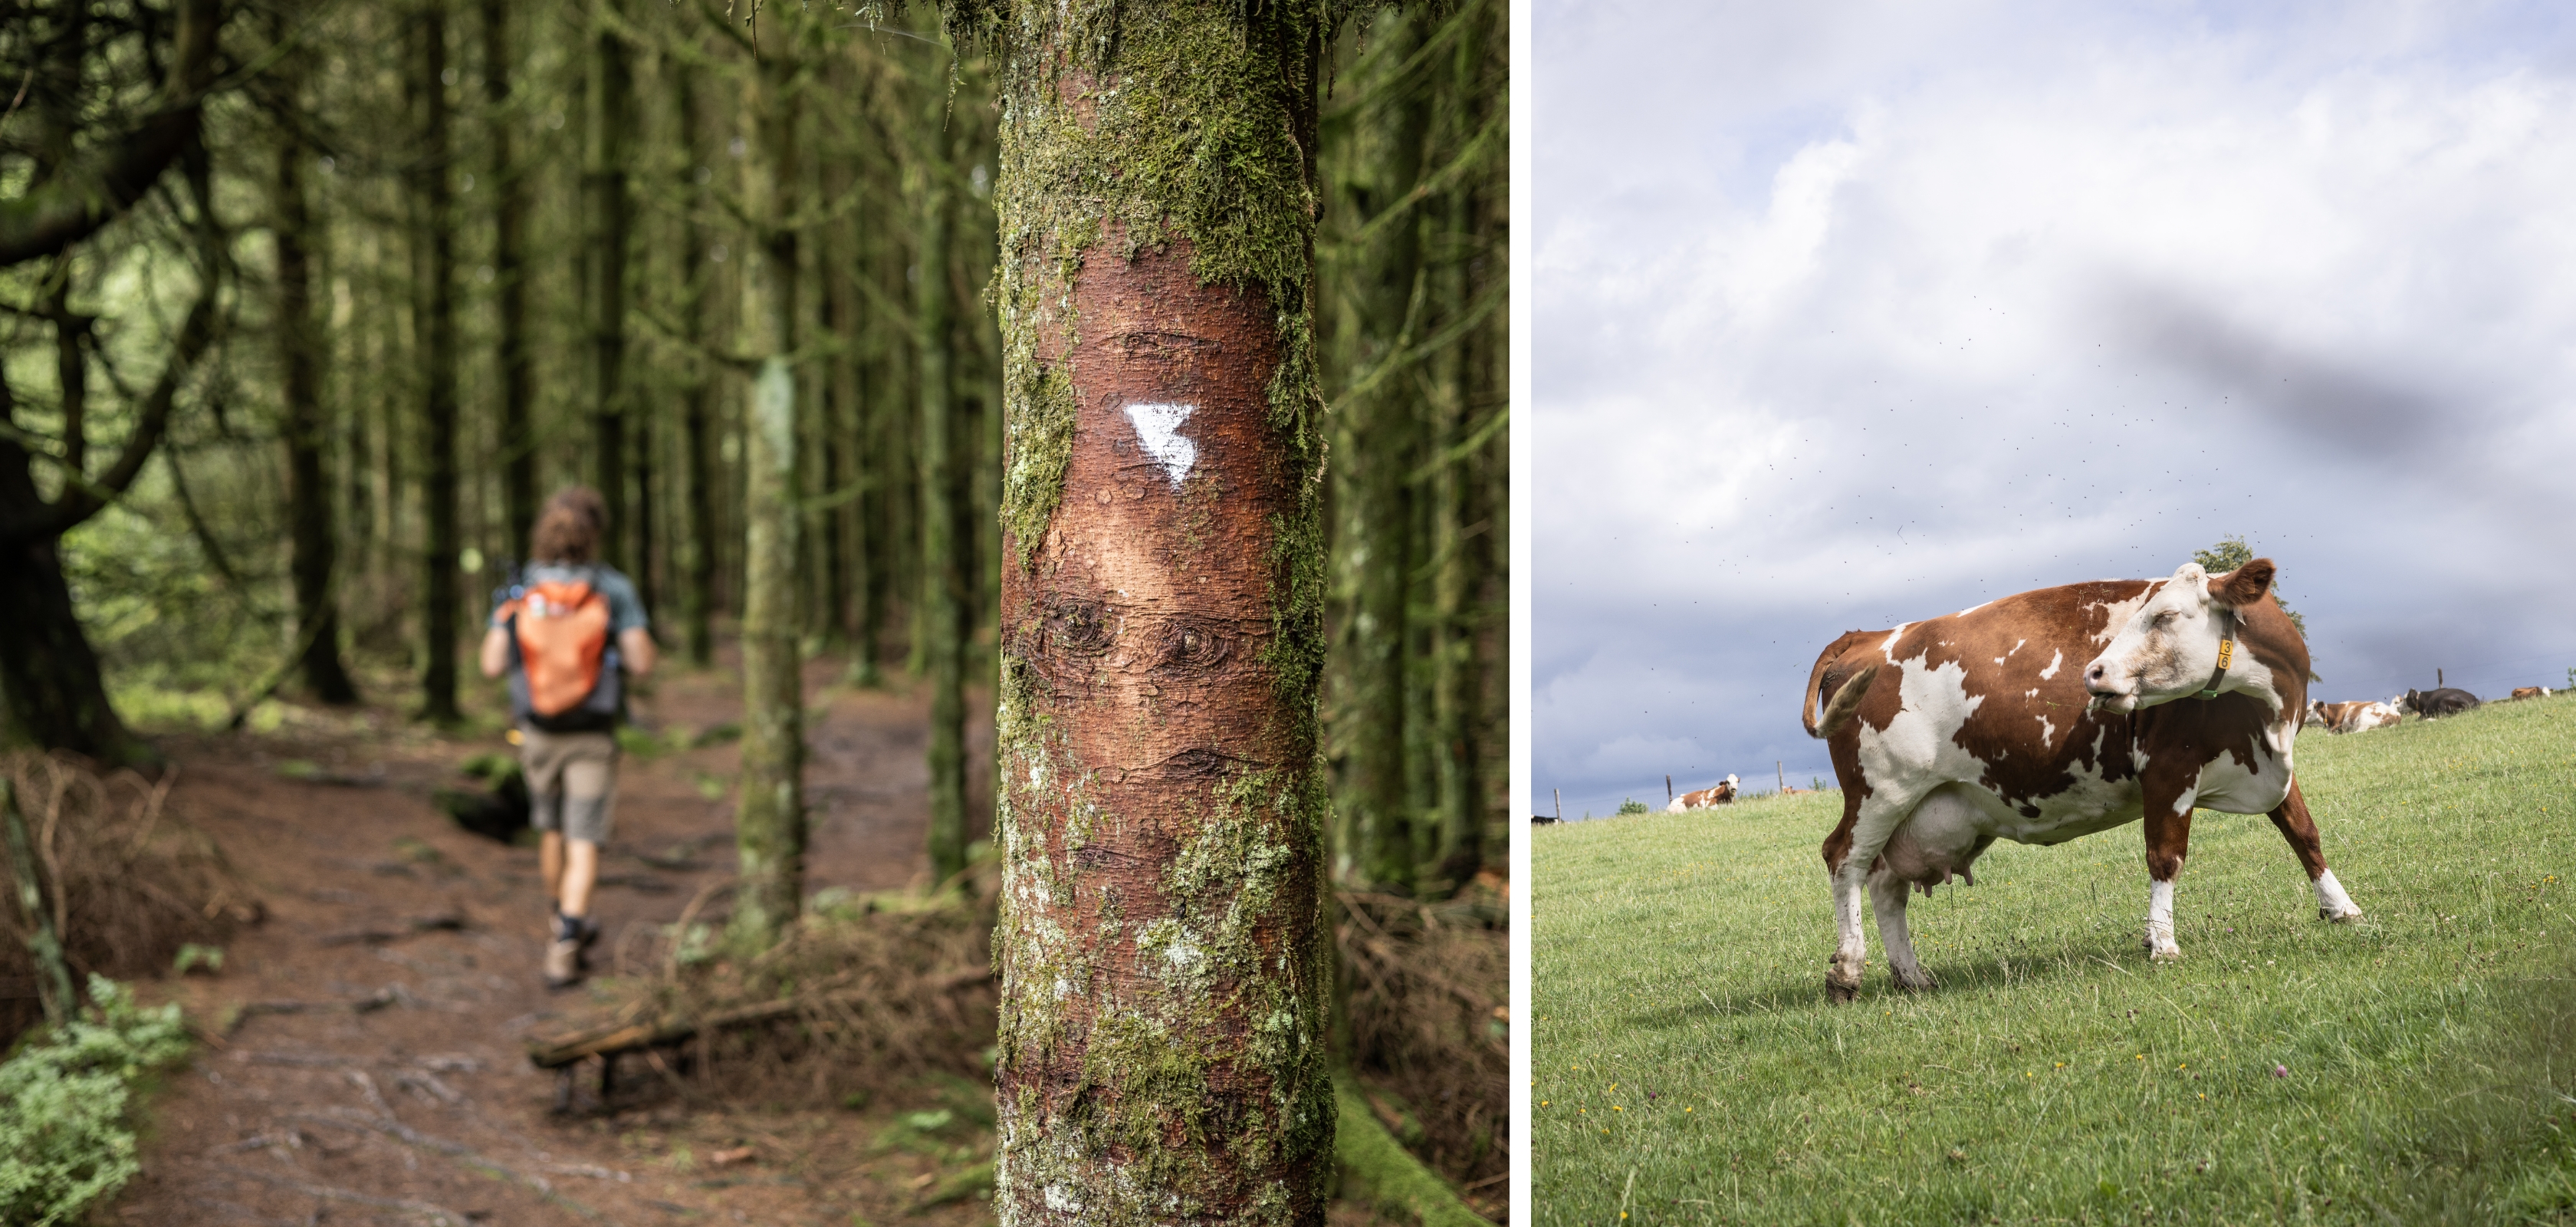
(364, 1063)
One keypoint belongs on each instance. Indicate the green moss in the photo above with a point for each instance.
(1378, 1169)
(1039, 434)
(1194, 124)
(1189, 135)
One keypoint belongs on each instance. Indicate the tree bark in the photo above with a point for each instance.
(769, 820)
(510, 288)
(874, 401)
(607, 216)
(943, 579)
(1378, 429)
(1165, 968)
(1466, 538)
(433, 224)
(697, 407)
(843, 529)
(49, 675)
(307, 432)
(50, 680)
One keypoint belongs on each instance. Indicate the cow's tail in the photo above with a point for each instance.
(1834, 693)
(1846, 700)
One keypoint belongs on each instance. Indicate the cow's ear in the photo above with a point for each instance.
(2246, 584)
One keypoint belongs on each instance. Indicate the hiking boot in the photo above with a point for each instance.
(579, 928)
(563, 962)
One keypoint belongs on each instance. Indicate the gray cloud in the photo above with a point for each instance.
(1850, 319)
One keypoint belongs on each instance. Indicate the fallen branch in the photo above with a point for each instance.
(54, 980)
(1396, 1181)
(628, 1033)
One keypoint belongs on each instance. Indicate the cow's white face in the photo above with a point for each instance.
(2168, 649)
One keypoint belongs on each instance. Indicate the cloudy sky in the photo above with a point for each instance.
(1853, 314)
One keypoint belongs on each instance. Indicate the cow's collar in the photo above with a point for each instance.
(2226, 653)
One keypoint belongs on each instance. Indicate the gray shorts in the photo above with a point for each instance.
(572, 778)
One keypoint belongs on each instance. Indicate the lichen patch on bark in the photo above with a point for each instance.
(1162, 943)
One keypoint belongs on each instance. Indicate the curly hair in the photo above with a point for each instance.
(568, 528)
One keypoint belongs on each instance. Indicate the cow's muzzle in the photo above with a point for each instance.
(2103, 694)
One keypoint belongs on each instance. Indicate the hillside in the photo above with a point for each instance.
(2411, 1067)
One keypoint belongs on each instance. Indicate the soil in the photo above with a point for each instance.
(406, 950)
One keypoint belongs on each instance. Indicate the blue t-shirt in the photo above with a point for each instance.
(625, 608)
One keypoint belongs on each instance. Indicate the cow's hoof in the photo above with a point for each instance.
(1920, 982)
(2168, 954)
(2341, 918)
(1840, 993)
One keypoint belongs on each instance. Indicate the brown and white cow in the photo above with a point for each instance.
(2356, 716)
(2053, 714)
(1719, 793)
(2528, 692)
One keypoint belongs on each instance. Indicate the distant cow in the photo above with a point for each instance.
(1719, 794)
(2053, 714)
(2354, 717)
(1541, 820)
(2531, 692)
(2434, 704)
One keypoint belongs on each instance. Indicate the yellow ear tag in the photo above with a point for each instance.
(2226, 652)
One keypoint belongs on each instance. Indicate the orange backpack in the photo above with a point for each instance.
(562, 630)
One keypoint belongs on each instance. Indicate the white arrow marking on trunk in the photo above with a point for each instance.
(1158, 428)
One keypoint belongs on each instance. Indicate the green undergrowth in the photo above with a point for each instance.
(2416, 1066)
(66, 1137)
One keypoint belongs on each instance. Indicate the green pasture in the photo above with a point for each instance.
(1687, 1069)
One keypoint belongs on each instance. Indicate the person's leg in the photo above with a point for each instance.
(589, 776)
(580, 876)
(541, 759)
(550, 863)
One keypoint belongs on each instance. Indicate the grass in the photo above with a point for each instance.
(2416, 1066)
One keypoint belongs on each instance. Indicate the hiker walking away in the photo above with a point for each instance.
(564, 633)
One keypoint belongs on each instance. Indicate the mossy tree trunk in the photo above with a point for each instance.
(1465, 537)
(697, 394)
(510, 283)
(607, 213)
(769, 820)
(846, 430)
(1378, 430)
(1165, 969)
(878, 462)
(942, 621)
(837, 301)
(433, 226)
(306, 425)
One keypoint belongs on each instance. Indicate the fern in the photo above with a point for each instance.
(65, 1141)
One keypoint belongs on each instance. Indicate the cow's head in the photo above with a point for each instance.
(2170, 647)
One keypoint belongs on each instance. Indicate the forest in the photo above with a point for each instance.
(871, 327)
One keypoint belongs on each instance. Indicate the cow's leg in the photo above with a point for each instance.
(2168, 841)
(2291, 816)
(1887, 896)
(1842, 975)
(1868, 820)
